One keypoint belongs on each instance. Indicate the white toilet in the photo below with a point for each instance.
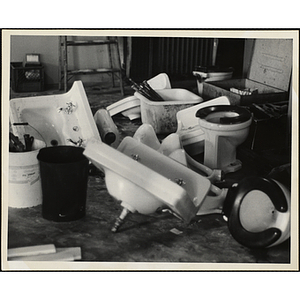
(191, 135)
(225, 127)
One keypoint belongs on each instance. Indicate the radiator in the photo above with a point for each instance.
(179, 55)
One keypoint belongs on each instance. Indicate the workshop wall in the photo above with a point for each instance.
(135, 56)
(46, 46)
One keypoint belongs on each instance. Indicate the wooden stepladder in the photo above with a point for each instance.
(114, 68)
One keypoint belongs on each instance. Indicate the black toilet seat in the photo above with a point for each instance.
(231, 210)
(243, 114)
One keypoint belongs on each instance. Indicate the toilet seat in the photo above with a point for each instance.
(243, 114)
(232, 211)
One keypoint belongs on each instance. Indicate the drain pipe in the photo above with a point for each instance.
(212, 175)
(120, 220)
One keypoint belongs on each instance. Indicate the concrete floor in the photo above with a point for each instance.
(144, 238)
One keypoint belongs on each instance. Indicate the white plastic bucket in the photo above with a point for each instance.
(24, 177)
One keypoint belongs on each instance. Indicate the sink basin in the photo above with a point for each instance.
(145, 180)
(63, 119)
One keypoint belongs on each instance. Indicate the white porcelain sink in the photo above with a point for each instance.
(146, 180)
(63, 119)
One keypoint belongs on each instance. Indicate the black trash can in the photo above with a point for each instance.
(64, 177)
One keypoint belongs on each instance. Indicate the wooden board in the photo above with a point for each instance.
(272, 62)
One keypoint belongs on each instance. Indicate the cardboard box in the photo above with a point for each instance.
(269, 73)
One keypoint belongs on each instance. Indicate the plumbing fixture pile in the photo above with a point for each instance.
(216, 198)
(194, 183)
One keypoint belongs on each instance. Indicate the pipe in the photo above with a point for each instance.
(108, 130)
(212, 175)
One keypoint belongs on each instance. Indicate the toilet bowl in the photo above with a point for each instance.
(225, 127)
(258, 212)
(191, 135)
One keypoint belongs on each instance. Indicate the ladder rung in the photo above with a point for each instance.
(91, 43)
(93, 71)
(100, 42)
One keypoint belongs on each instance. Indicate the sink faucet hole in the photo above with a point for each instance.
(54, 142)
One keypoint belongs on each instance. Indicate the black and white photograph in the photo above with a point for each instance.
(164, 150)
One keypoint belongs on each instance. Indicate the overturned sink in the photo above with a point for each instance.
(146, 181)
(63, 119)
